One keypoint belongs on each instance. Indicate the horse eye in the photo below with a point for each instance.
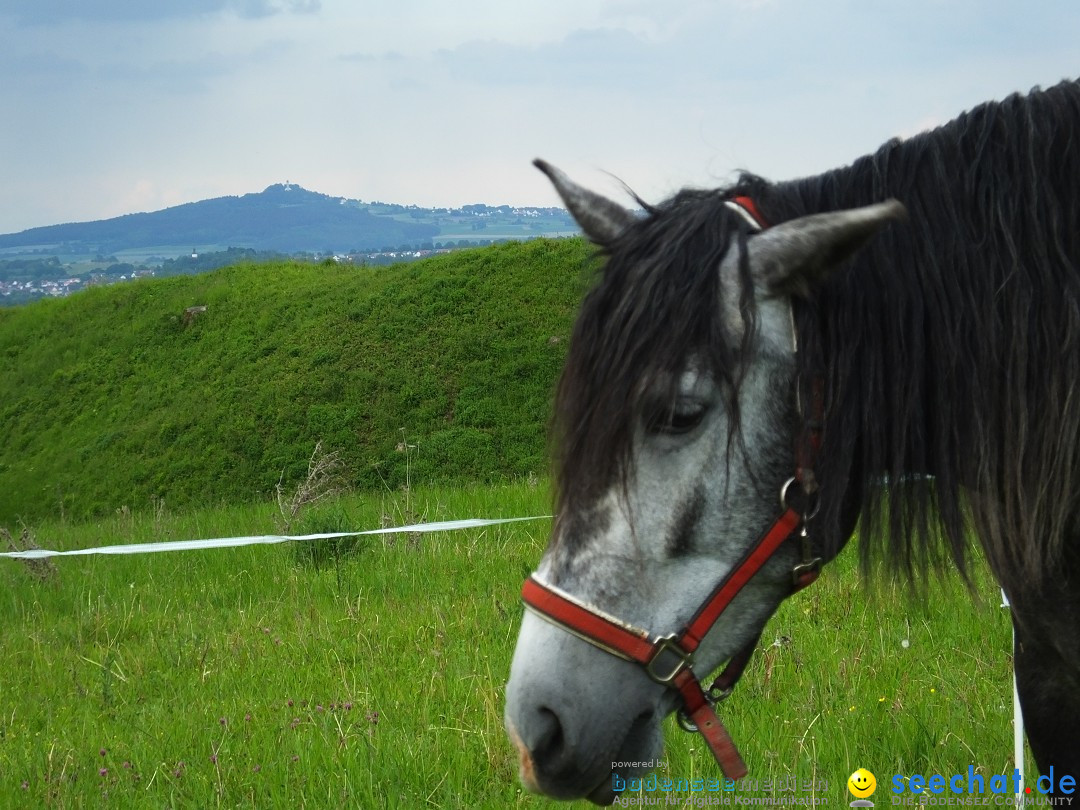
(678, 420)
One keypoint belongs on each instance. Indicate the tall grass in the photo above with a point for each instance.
(253, 678)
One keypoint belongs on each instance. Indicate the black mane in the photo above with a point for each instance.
(949, 349)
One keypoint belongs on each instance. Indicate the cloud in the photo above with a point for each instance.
(255, 9)
(596, 57)
(363, 57)
(54, 12)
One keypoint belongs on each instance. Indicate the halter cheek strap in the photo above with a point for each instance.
(668, 660)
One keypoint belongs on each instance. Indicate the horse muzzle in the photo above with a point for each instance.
(573, 712)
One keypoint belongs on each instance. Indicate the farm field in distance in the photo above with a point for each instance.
(371, 674)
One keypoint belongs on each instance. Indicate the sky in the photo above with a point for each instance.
(110, 107)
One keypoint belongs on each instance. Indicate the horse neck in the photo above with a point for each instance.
(933, 346)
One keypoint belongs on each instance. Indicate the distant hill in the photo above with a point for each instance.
(122, 394)
(287, 219)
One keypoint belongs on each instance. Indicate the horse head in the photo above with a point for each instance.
(677, 423)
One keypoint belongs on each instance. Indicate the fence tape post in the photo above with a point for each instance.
(1018, 715)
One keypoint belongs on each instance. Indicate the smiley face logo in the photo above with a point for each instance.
(862, 784)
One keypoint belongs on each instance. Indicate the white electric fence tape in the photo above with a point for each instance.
(262, 539)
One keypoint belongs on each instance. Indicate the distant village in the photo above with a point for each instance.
(60, 287)
(22, 291)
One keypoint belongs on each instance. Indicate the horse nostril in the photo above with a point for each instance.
(550, 739)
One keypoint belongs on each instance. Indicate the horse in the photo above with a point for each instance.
(895, 344)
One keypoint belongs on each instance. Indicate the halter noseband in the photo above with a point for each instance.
(668, 660)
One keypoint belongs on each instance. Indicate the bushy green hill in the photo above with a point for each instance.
(113, 397)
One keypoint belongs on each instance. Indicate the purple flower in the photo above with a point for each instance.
(247, 717)
(224, 721)
(213, 758)
(103, 772)
(102, 752)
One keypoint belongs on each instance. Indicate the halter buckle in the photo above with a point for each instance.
(669, 646)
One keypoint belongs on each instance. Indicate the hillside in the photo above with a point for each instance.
(112, 397)
(284, 218)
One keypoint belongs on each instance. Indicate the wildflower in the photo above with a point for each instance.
(103, 772)
(102, 752)
(290, 703)
(25, 785)
(247, 717)
(295, 757)
(881, 699)
(224, 721)
(213, 759)
(256, 769)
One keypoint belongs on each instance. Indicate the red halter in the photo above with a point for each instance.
(668, 660)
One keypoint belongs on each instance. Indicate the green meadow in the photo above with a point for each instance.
(371, 673)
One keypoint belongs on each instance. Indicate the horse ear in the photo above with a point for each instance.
(601, 219)
(795, 256)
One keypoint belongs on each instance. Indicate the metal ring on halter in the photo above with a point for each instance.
(685, 723)
(714, 694)
(813, 502)
(717, 694)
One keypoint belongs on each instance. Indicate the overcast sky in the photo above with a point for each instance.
(115, 106)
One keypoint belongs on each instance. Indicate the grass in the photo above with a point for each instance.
(253, 678)
(111, 397)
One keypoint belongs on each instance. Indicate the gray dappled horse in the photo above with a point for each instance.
(917, 374)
